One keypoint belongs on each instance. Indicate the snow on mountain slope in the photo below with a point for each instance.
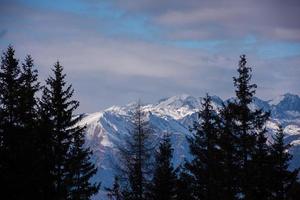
(286, 108)
(175, 115)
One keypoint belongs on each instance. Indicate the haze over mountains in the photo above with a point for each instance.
(106, 129)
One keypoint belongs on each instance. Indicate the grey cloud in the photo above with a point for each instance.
(108, 70)
(201, 19)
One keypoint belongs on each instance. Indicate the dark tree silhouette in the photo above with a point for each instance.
(80, 168)
(283, 180)
(69, 167)
(260, 165)
(164, 177)
(205, 166)
(29, 87)
(229, 159)
(184, 188)
(249, 130)
(135, 157)
(30, 136)
(11, 134)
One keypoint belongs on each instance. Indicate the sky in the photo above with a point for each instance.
(117, 51)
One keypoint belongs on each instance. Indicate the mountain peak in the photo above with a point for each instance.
(106, 129)
(183, 100)
(285, 98)
(289, 102)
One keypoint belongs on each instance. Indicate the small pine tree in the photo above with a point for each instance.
(164, 177)
(261, 168)
(204, 167)
(283, 179)
(135, 158)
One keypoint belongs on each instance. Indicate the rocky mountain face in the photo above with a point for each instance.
(175, 115)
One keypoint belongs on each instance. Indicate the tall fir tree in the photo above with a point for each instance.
(205, 165)
(69, 166)
(30, 136)
(249, 128)
(283, 180)
(46, 147)
(29, 87)
(135, 157)
(164, 178)
(11, 134)
(10, 87)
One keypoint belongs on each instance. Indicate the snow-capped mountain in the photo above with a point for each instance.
(175, 115)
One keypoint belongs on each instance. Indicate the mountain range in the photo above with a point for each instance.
(107, 129)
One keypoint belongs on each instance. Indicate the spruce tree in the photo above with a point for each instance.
(260, 164)
(80, 168)
(11, 143)
(135, 157)
(249, 128)
(164, 178)
(46, 147)
(10, 87)
(29, 87)
(30, 136)
(19, 138)
(283, 180)
(68, 168)
(205, 166)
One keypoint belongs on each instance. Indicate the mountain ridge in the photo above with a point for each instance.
(106, 129)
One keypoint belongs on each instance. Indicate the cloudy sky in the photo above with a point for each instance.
(115, 52)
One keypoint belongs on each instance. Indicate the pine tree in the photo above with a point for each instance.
(46, 147)
(204, 166)
(283, 179)
(164, 178)
(260, 164)
(81, 170)
(135, 158)
(55, 101)
(11, 144)
(29, 87)
(67, 166)
(249, 128)
(30, 136)
(10, 87)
